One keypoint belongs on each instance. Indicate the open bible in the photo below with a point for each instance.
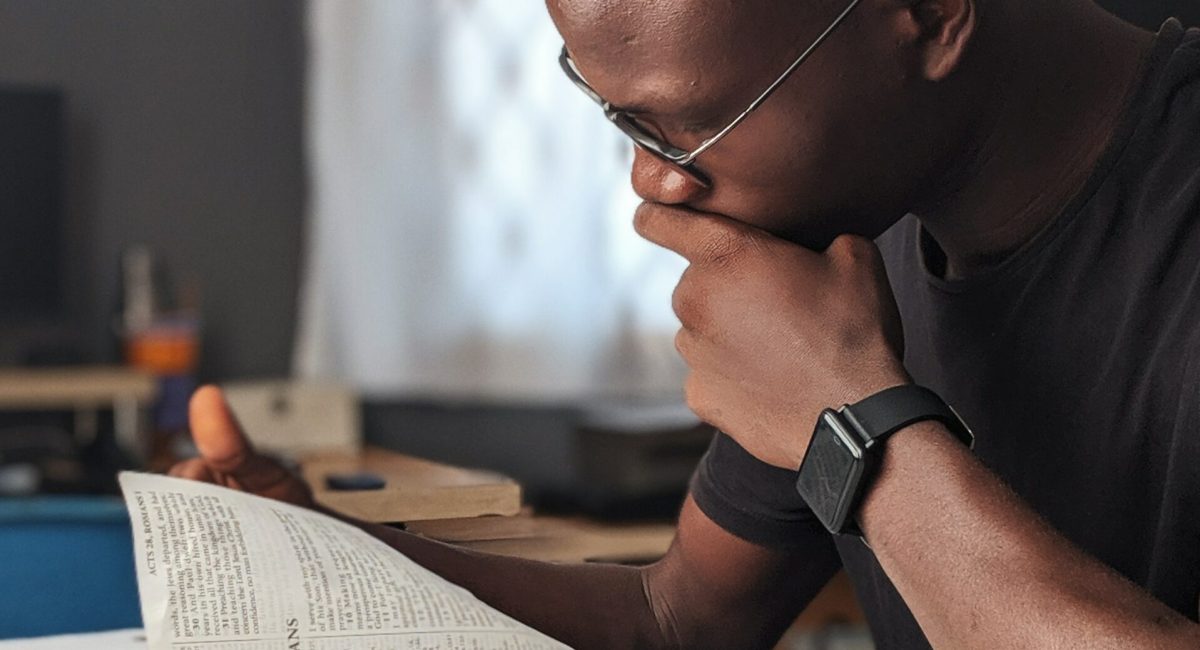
(224, 570)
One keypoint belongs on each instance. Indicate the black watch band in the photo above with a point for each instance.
(888, 411)
(846, 449)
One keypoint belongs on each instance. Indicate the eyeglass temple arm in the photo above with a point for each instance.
(707, 144)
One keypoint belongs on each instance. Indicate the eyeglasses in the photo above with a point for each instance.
(674, 156)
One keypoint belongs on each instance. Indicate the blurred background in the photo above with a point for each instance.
(381, 223)
(402, 198)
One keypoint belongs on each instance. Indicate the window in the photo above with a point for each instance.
(470, 232)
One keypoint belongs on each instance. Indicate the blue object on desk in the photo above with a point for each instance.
(66, 565)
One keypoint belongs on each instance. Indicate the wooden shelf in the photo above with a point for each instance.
(73, 388)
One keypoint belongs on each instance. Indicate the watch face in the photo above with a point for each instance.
(830, 472)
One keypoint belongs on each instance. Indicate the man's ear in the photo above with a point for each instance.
(942, 29)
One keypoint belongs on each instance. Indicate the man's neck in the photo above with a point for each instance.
(1064, 78)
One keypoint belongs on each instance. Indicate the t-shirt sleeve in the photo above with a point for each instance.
(756, 501)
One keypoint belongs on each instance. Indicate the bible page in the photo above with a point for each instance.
(220, 569)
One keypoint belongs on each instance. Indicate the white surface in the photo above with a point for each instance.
(221, 568)
(295, 418)
(132, 639)
(471, 229)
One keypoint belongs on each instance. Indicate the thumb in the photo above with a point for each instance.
(218, 436)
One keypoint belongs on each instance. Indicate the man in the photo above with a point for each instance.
(1046, 284)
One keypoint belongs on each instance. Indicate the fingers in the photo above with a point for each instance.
(697, 394)
(222, 444)
(853, 250)
(193, 469)
(226, 452)
(699, 237)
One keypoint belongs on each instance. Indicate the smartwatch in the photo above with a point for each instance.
(847, 446)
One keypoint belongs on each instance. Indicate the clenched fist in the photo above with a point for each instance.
(773, 332)
(227, 458)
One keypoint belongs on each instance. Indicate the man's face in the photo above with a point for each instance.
(845, 146)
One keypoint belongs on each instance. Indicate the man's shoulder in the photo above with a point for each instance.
(1189, 45)
(1175, 95)
(1156, 193)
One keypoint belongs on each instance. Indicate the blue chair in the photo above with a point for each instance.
(66, 565)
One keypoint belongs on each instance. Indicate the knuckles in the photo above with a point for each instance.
(690, 308)
(854, 250)
(691, 300)
(702, 238)
(642, 217)
(855, 261)
(693, 397)
(724, 247)
(683, 343)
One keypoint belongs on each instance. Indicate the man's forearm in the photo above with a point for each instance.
(584, 605)
(978, 568)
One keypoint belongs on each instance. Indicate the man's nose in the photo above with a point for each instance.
(658, 182)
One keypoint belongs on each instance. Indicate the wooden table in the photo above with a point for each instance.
(553, 539)
(414, 488)
(446, 503)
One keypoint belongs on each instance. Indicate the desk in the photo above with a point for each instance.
(414, 488)
(414, 499)
(553, 539)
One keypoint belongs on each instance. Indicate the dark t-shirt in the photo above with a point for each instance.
(1075, 361)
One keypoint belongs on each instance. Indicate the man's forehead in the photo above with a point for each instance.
(633, 18)
(644, 49)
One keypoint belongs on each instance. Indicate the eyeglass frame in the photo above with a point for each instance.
(659, 147)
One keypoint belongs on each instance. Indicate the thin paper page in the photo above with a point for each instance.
(224, 570)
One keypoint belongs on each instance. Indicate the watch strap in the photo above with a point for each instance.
(892, 409)
(872, 421)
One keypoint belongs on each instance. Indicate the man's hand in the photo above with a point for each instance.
(774, 332)
(227, 458)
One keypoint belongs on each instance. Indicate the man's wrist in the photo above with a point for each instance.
(912, 455)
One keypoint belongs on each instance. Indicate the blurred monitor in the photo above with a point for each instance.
(31, 183)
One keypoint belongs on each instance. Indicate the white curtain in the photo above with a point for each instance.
(470, 231)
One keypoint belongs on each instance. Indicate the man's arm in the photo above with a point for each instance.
(978, 568)
(711, 590)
